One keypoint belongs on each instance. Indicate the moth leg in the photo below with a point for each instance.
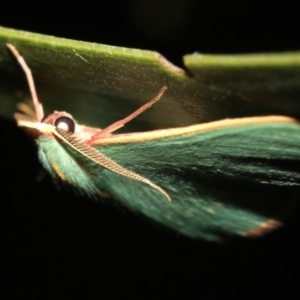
(26, 109)
(37, 105)
(113, 127)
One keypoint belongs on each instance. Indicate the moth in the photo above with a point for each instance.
(232, 177)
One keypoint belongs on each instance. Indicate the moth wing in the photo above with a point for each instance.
(235, 180)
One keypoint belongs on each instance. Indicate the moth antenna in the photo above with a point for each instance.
(113, 127)
(37, 105)
(103, 160)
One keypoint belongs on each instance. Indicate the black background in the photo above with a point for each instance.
(62, 245)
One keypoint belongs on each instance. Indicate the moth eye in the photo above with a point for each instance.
(65, 123)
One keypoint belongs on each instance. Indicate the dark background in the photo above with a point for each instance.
(60, 244)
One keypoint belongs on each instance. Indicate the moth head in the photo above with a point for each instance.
(47, 125)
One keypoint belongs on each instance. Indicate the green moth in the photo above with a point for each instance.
(233, 177)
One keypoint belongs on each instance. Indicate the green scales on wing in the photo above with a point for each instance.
(232, 181)
(224, 178)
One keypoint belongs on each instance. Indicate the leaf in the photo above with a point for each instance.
(98, 82)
